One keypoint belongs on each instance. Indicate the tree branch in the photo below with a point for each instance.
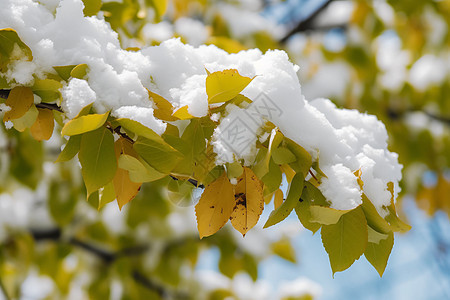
(307, 24)
(4, 94)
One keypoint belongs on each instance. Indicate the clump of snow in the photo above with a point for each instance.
(298, 288)
(77, 94)
(428, 70)
(192, 30)
(117, 81)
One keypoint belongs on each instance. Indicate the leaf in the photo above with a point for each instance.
(263, 157)
(8, 38)
(304, 159)
(272, 180)
(80, 71)
(310, 196)
(20, 99)
(140, 130)
(64, 71)
(283, 156)
(138, 170)
(346, 240)
(124, 188)
(222, 86)
(157, 154)
(215, 206)
(71, 149)
(42, 129)
(91, 7)
(27, 120)
(325, 215)
(164, 108)
(234, 169)
(374, 220)
(375, 236)
(392, 218)
(249, 202)
(97, 158)
(47, 89)
(84, 124)
(378, 254)
(293, 197)
(160, 7)
(283, 248)
(278, 198)
(182, 113)
(106, 195)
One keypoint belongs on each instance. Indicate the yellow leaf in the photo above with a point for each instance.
(164, 108)
(84, 124)
(20, 100)
(42, 129)
(124, 188)
(215, 206)
(227, 44)
(249, 202)
(278, 200)
(182, 113)
(224, 85)
(27, 120)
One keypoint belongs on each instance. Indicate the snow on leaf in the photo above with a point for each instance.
(20, 99)
(222, 86)
(346, 240)
(294, 194)
(84, 124)
(97, 158)
(249, 202)
(215, 206)
(378, 253)
(8, 38)
(42, 129)
(139, 129)
(124, 188)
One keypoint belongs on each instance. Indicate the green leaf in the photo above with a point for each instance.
(293, 197)
(272, 179)
(97, 158)
(378, 253)
(71, 149)
(64, 71)
(139, 171)
(325, 215)
(234, 169)
(374, 220)
(106, 195)
(346, 240)
(392, 218)
(80, 71)
(304, 160)
(27, 120)
(375, 236)
(283, 156)
(283, 248)
(84, 124)
(261, 166)
(91, 7)
(310, 196)
(47, 89)
(8, 38)
(157, 154)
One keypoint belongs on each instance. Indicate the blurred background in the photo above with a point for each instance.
(388, 58)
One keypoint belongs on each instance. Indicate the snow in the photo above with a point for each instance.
(300, 287)
(117, 81)
(427, 71)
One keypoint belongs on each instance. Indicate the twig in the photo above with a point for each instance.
(307, 23)
(312, 174)
(49, 106)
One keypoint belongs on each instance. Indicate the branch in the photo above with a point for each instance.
(306, 24)
(49, 106)
(396, 114)
(4, 94)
